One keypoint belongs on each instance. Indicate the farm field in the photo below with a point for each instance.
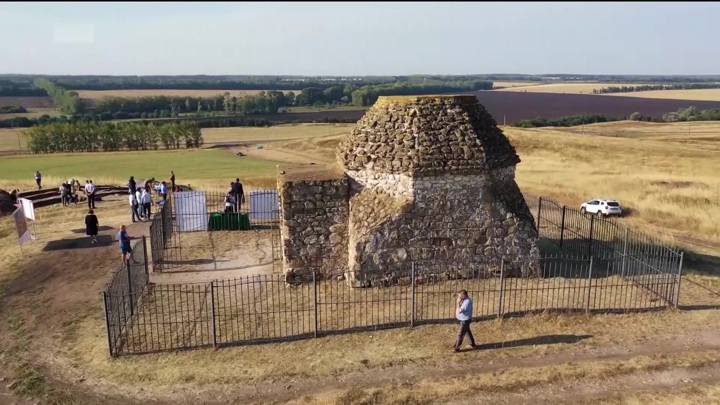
(561, 87)
(99, 94)
(28, 102)
(53, 324)
(694, 94)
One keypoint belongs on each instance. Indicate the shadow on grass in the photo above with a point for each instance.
(534, 341)
(100, 229)
(78, 243)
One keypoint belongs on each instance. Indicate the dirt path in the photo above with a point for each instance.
(584, 392)
(280, 391)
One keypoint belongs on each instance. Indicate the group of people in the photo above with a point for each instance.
(70, 190)
(235, 197)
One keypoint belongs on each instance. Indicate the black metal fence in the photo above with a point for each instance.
(122, 295)
(267, 308)
(161, 233)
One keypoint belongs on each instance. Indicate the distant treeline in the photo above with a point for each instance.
(569, 121)
(104, 137)
(683, 114)
(12, 109)
(652, 87)
(367, 95)
(12, 89)
(67, 100)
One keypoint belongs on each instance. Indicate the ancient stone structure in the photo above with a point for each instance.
(431, 181)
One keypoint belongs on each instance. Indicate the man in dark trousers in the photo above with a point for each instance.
(132, 185)
(239, 194)
(172, 181)
(464, 315)
(38, 179)
(90, 191)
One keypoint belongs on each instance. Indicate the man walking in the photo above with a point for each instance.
(464, 315)
(172, 181)
(90, 191)
(163, 190)
(38, 179)
(138, 198)
(132, 185)
(146, 202)
(134, 207)
(124, 244)
(91, 226)
(239, 194)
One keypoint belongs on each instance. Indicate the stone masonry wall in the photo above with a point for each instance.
(451, 223)
(314, 227)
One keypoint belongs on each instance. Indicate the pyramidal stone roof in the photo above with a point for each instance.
(429, 135)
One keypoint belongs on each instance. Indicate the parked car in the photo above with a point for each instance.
(601, 207)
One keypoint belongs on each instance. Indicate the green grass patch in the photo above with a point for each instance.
(194, 164)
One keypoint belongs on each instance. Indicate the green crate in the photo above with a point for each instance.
(220, 221)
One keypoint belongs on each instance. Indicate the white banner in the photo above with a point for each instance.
(191, 211)
(28, 207)
(21, 226)
(263, 205)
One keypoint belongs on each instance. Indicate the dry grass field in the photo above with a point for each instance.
(54, 345)
(99, 94)
(697, 94)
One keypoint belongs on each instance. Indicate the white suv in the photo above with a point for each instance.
(601, 206)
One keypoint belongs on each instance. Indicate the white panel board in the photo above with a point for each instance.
(191, 211)
(28, 207)
(21, 226)
(263, 205)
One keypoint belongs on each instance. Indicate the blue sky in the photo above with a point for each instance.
(359, 38)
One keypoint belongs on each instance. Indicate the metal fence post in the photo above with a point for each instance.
(562, 227)
(589, 287)
(538, 214)
(412, 294)
(107, 324)
(676, 304)
(130, 289)
(590, 238)
(147, 266)
(624, 258)
(315, 305)
(212, 313)
(502, 288)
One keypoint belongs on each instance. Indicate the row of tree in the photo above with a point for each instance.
(682, 114)
(652, 87)
(12, 109)
(104, 137)
(367, 95)
(9, 88)
(67, 100)
(569, 121)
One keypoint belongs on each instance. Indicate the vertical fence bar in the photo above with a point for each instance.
(624, 257)
(502, 287)
(590, 235)
(212, 313)
(147, 269)
(107, 324)
(562, 227)
(130, 291)
(315, 305)
(412, 294)
(538, 214)
(589, 287)
(676, 304)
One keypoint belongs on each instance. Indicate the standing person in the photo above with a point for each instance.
(464, 315)
(63, 194)
(163, 190)
(134, 207)
(132, 185)
(172, 181)
(149, 183)
(124, 244)
(138, 197)
(91, 226)
(38, 179)
(146, 202)
(90, 191)
(239, 194)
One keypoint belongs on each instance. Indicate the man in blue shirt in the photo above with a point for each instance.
(464, 315)
(124, 244)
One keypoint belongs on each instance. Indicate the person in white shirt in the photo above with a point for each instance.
(90, 191)
(146, 202)
(134, 207)
(138, 197)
